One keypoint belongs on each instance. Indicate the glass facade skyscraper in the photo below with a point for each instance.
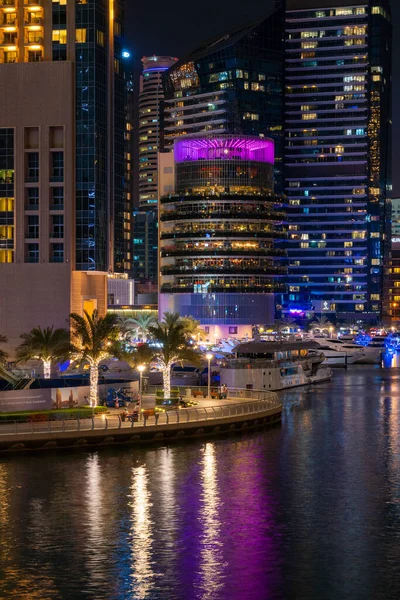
(233, 84)
(338, 153)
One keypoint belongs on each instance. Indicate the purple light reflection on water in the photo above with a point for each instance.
(225, 148)
(229, 537)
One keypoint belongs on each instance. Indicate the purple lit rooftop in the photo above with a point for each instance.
(225, 148)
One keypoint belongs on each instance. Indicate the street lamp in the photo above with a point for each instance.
(209, 357)
(140, 368)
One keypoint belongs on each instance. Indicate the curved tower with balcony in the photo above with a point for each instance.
(220, 233)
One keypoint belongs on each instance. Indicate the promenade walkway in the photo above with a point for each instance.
(257, 408)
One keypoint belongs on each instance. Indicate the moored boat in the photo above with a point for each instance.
(274, 366)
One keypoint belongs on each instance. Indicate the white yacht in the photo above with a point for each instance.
(338, 357)
(274, 366)
(368, 356)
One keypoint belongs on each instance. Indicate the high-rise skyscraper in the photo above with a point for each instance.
(150, 98)
(145, 226)
(61, 159)
(220, 234)
(233, 84)
(338, 153)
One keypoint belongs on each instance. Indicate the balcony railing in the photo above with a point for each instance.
(32, 206)
(8, 40)
(223, 270)
(240, 196)
(56, 206)
(57, 235)
(267, 215)
(269, 288)
(8, 21)
(166, 252)
(33, 20)
(210, 233)
(56, 259)
(34, 40)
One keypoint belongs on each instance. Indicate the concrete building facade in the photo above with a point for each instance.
(61, 160)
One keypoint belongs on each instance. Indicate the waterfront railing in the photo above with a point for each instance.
(267, 401)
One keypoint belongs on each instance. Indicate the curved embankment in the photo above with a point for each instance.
(253, 415)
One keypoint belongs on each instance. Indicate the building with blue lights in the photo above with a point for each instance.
(338, 154)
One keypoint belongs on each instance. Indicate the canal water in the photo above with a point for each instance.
(308, 510)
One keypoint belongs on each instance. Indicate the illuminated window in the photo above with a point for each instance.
(80, 36)
(341, 12)
(309, 116)
(100, 38)
(307, 45)
(60, 36)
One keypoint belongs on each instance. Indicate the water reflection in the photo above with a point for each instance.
(142, 572)
(96, 556)
(306, 511)
(211, 567)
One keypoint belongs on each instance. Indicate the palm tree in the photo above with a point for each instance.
(282, 324)
(46, 344)
(95, 339)
(140, 324)
(171, 344)
(193, 329)
(3, 354)
(321, 323)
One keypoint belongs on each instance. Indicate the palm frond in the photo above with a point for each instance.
(95, 338)
(44, 344)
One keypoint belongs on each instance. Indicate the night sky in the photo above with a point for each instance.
(176, 28)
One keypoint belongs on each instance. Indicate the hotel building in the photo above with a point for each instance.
(62, 204)
(220, 234)
(338, 154)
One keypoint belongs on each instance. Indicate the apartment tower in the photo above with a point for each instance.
(62, 204)
(145, 216)
(338, 154)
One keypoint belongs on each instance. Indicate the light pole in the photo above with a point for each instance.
(209, 357)
(140, 368)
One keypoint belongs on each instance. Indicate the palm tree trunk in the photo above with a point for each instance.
(166, 370)
(46, 369)
(94, 383)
